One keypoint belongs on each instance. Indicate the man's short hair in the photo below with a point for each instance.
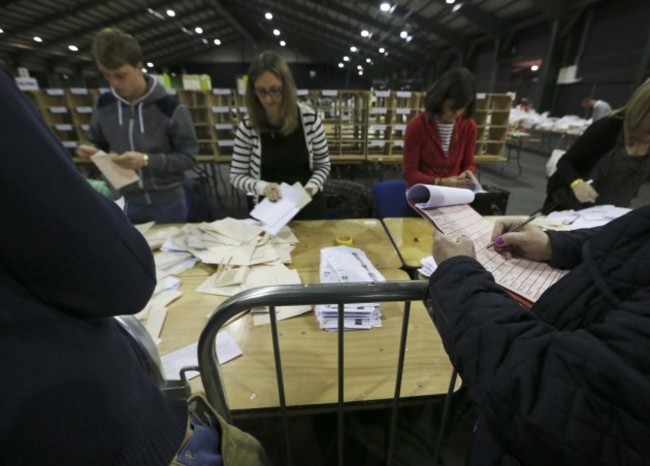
(113, 48)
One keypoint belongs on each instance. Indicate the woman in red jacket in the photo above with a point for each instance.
(439, 143)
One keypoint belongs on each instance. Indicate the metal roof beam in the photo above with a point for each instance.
(221, 10)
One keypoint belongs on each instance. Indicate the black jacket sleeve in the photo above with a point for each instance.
(596, 141)
(62, 240)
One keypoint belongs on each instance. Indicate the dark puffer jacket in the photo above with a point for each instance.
(568, 382)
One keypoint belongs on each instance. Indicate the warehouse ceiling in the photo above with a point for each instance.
(60, 32)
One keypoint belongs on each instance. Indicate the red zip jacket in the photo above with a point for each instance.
(424, 160)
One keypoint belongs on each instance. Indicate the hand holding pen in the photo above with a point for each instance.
(512, 237)
(584, 191)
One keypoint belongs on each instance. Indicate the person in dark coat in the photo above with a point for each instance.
(73, 391)
(609, 162)
(568, 381)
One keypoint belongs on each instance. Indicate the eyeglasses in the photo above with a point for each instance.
(273, 92)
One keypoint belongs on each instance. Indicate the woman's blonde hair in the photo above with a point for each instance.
(269, 61)
(637, 114)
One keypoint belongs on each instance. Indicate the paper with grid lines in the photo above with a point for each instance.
(523, 278)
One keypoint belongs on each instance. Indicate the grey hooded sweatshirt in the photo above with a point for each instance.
(155, 124)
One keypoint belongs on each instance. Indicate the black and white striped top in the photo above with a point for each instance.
(446, 130)
(245, 168)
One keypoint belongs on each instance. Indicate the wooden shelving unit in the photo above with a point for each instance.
(492, 113)
(389, 113)
(361, 126)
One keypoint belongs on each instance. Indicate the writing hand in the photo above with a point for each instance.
(531, 242)
(585, 192)
(445, 247)
(457, 182)
(311, 191)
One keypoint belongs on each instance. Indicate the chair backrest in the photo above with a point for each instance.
(290, 295)
(389, 200)
(346, 199)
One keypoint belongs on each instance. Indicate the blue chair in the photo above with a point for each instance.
(389, 200)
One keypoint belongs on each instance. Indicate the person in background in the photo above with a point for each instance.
(147, 129)
(567, 381)
(74, 391)
(440, 142)
(599, 108)
(279, 140)
(609, 162)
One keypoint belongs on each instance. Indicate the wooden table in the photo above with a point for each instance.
(367, 234)
(412, 237)
(309, 360)
(309, 357)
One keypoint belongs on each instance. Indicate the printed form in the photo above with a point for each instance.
(525, 278)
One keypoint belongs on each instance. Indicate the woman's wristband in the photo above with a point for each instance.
(576, 182)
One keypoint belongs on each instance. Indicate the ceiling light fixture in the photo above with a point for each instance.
(534, 67)
(217, 42)
(341, 65)
(282, 43)
(346, 58)
(268, 15)
(171, 13)
(382, 50)
(353, 49)
(360, 72)
(37, 39)
(404, 34)
(409, 38)
(456, 7)
(149, 64)
(385, 6)
(198, 30)
(276, 32)
(1, 31)
(205, 41)
(450, 2)
(365, 33)
(368, 60)
(73, 48)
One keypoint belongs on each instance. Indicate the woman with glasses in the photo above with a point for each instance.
(609, 162)
(279, 140)
(439, 143)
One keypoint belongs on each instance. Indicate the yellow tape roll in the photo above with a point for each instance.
(344, 240)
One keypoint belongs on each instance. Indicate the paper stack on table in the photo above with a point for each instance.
(343, 264)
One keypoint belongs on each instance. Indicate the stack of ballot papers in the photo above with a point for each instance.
(343, 264)
(154, 313)
(590, 217)
(275, 215)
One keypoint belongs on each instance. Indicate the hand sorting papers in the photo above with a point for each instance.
(117, 176)
(343, 264)
(275, 215)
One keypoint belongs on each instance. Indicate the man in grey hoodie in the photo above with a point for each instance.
(147, 129)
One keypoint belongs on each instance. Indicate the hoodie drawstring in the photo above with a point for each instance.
(120, 118)
(141, 118)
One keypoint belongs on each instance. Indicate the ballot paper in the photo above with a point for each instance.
(117, 176)
(589, 217)
(275, 215)
(343, 264)
(226, 349)
(448, 210)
